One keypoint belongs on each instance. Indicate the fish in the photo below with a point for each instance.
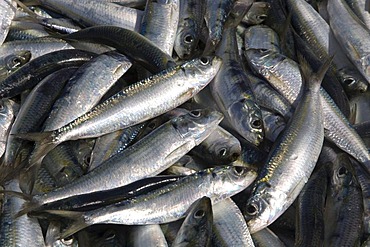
(220, 146)
(85, 88)
(216, 183)
(289, 157)
(37, 47)
(283, 74)
(265, 237)
(97, 13)
(257, 13)
(232, 93)
(215, 17)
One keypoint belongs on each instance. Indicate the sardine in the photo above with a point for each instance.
(290, 163)
(217, 184)
(232, 93)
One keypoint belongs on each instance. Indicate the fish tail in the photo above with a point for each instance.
(36, 137)
(45, 142)
(27, 207)
(313, 80)
(78, 221)
(29, 204)
(27, 10)
(17, 194)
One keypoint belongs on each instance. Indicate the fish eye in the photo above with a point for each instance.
(262, 17)
(199, 214)
(238, 170)
(188, 39)
(16, 61)
(109, 235)
(67, 241)
(87, 159)
(349, 81)
(204, 61)
(342, 171)
(256, 123)
(151, 125)
(222, 152)
(196, 113)
(252, 209)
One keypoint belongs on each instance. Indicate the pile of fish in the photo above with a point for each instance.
(185, 123)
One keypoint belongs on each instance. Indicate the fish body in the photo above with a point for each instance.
(232, 93)
(217, 183)
(290, 163)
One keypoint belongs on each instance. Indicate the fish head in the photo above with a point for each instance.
(264, 207)
(186, 39)
(201, 71)
(16, 60)
(197, 124)
(234, 179)
(342, 173)
(201, 213)
(258, 12)
(246, 118)
(352, 81)
(225, 149)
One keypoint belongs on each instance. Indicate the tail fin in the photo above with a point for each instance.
(29, 204)
(17, 194)
(27, 207)
(78, 221)
(45, 142)
(27, 10)
(313, 79)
